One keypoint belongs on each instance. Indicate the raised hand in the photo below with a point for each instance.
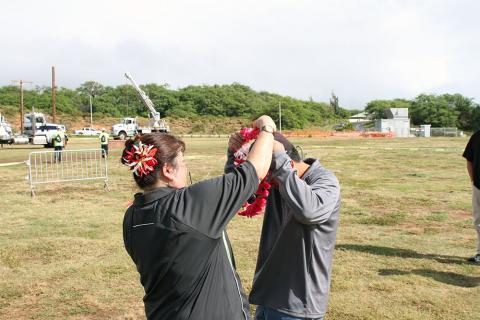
(264, 121)
(235, 142)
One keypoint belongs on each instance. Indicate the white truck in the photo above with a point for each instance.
(129, 127)
(5, 131)
(37, 131)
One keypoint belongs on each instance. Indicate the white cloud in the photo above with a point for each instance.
(361, 49)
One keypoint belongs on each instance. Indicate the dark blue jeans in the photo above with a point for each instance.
(265, 313)
(58, 154)
(104, 150)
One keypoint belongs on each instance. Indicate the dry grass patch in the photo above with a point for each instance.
(404, 233)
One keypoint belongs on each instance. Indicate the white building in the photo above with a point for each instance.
(397, 122)
(359, 118)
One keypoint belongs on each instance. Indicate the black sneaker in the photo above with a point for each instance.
(475, 258)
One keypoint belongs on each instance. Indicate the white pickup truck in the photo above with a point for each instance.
(87, 132)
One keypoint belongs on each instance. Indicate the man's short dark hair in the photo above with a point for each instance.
(289, 147)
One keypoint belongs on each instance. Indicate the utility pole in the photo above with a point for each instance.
(280, 115)
(91, 117)
(54, 97)
(34, 122)
(21, 83)
(92, 91)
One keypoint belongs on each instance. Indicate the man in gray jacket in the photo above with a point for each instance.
(294, 265)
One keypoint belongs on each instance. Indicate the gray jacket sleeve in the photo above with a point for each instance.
(310, 203)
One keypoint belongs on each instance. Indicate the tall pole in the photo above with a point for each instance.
(54, 97)
(91, 117)
(34, 122)
(280, 115)
(21, 107)
(92, 92)
(21, 83)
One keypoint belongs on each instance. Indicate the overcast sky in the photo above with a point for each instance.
(362, 50)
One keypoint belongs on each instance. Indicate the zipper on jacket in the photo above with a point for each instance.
(233, 272)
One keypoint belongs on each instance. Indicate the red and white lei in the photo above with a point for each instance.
(258, 205)
(141, 159)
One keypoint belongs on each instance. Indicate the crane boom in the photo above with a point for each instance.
(154, 114)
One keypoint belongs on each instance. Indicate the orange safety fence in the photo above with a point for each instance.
(341, 134)
(307, 133)
(114, 144)
(376, 134)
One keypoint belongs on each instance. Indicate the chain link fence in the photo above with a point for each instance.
(446, 132)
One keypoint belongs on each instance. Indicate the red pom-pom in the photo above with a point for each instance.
(141, 159)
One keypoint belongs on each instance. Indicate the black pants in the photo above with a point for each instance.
(105, 150)
(58, 154)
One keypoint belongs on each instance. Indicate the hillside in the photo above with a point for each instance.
(200, 103)
(198, 124)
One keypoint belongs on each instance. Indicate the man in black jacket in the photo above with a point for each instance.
(472, 154)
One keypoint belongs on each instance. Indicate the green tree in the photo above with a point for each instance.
(235, 100)
(87, 90)
(434, 110)
(377, 109)
(476, 118)
(465, 107)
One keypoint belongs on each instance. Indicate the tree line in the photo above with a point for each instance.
(234, 100)
(237, 100)
(445, 110)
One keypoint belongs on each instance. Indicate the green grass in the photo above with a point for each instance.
(404, 233)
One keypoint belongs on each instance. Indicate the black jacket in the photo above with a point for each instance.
(472, 154)
(177, 240)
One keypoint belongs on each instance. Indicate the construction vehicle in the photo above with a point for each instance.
(5, 131)
(40, 131)
(7, 136)
(129, 127)
(37, 131)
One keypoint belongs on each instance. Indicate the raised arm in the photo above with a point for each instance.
(209, 205)
(310, 203)
(261, 154)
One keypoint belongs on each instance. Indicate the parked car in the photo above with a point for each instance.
(87, 132)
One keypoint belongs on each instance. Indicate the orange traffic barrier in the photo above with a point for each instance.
(341, 134)
(376, 134)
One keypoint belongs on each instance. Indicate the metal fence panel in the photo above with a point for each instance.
(445, 132)
(67, 165)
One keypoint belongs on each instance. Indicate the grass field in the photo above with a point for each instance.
(404, 233)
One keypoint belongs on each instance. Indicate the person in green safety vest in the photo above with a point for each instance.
(59, 140)
(104, 136)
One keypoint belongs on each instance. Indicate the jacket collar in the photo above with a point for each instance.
(151, 196)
